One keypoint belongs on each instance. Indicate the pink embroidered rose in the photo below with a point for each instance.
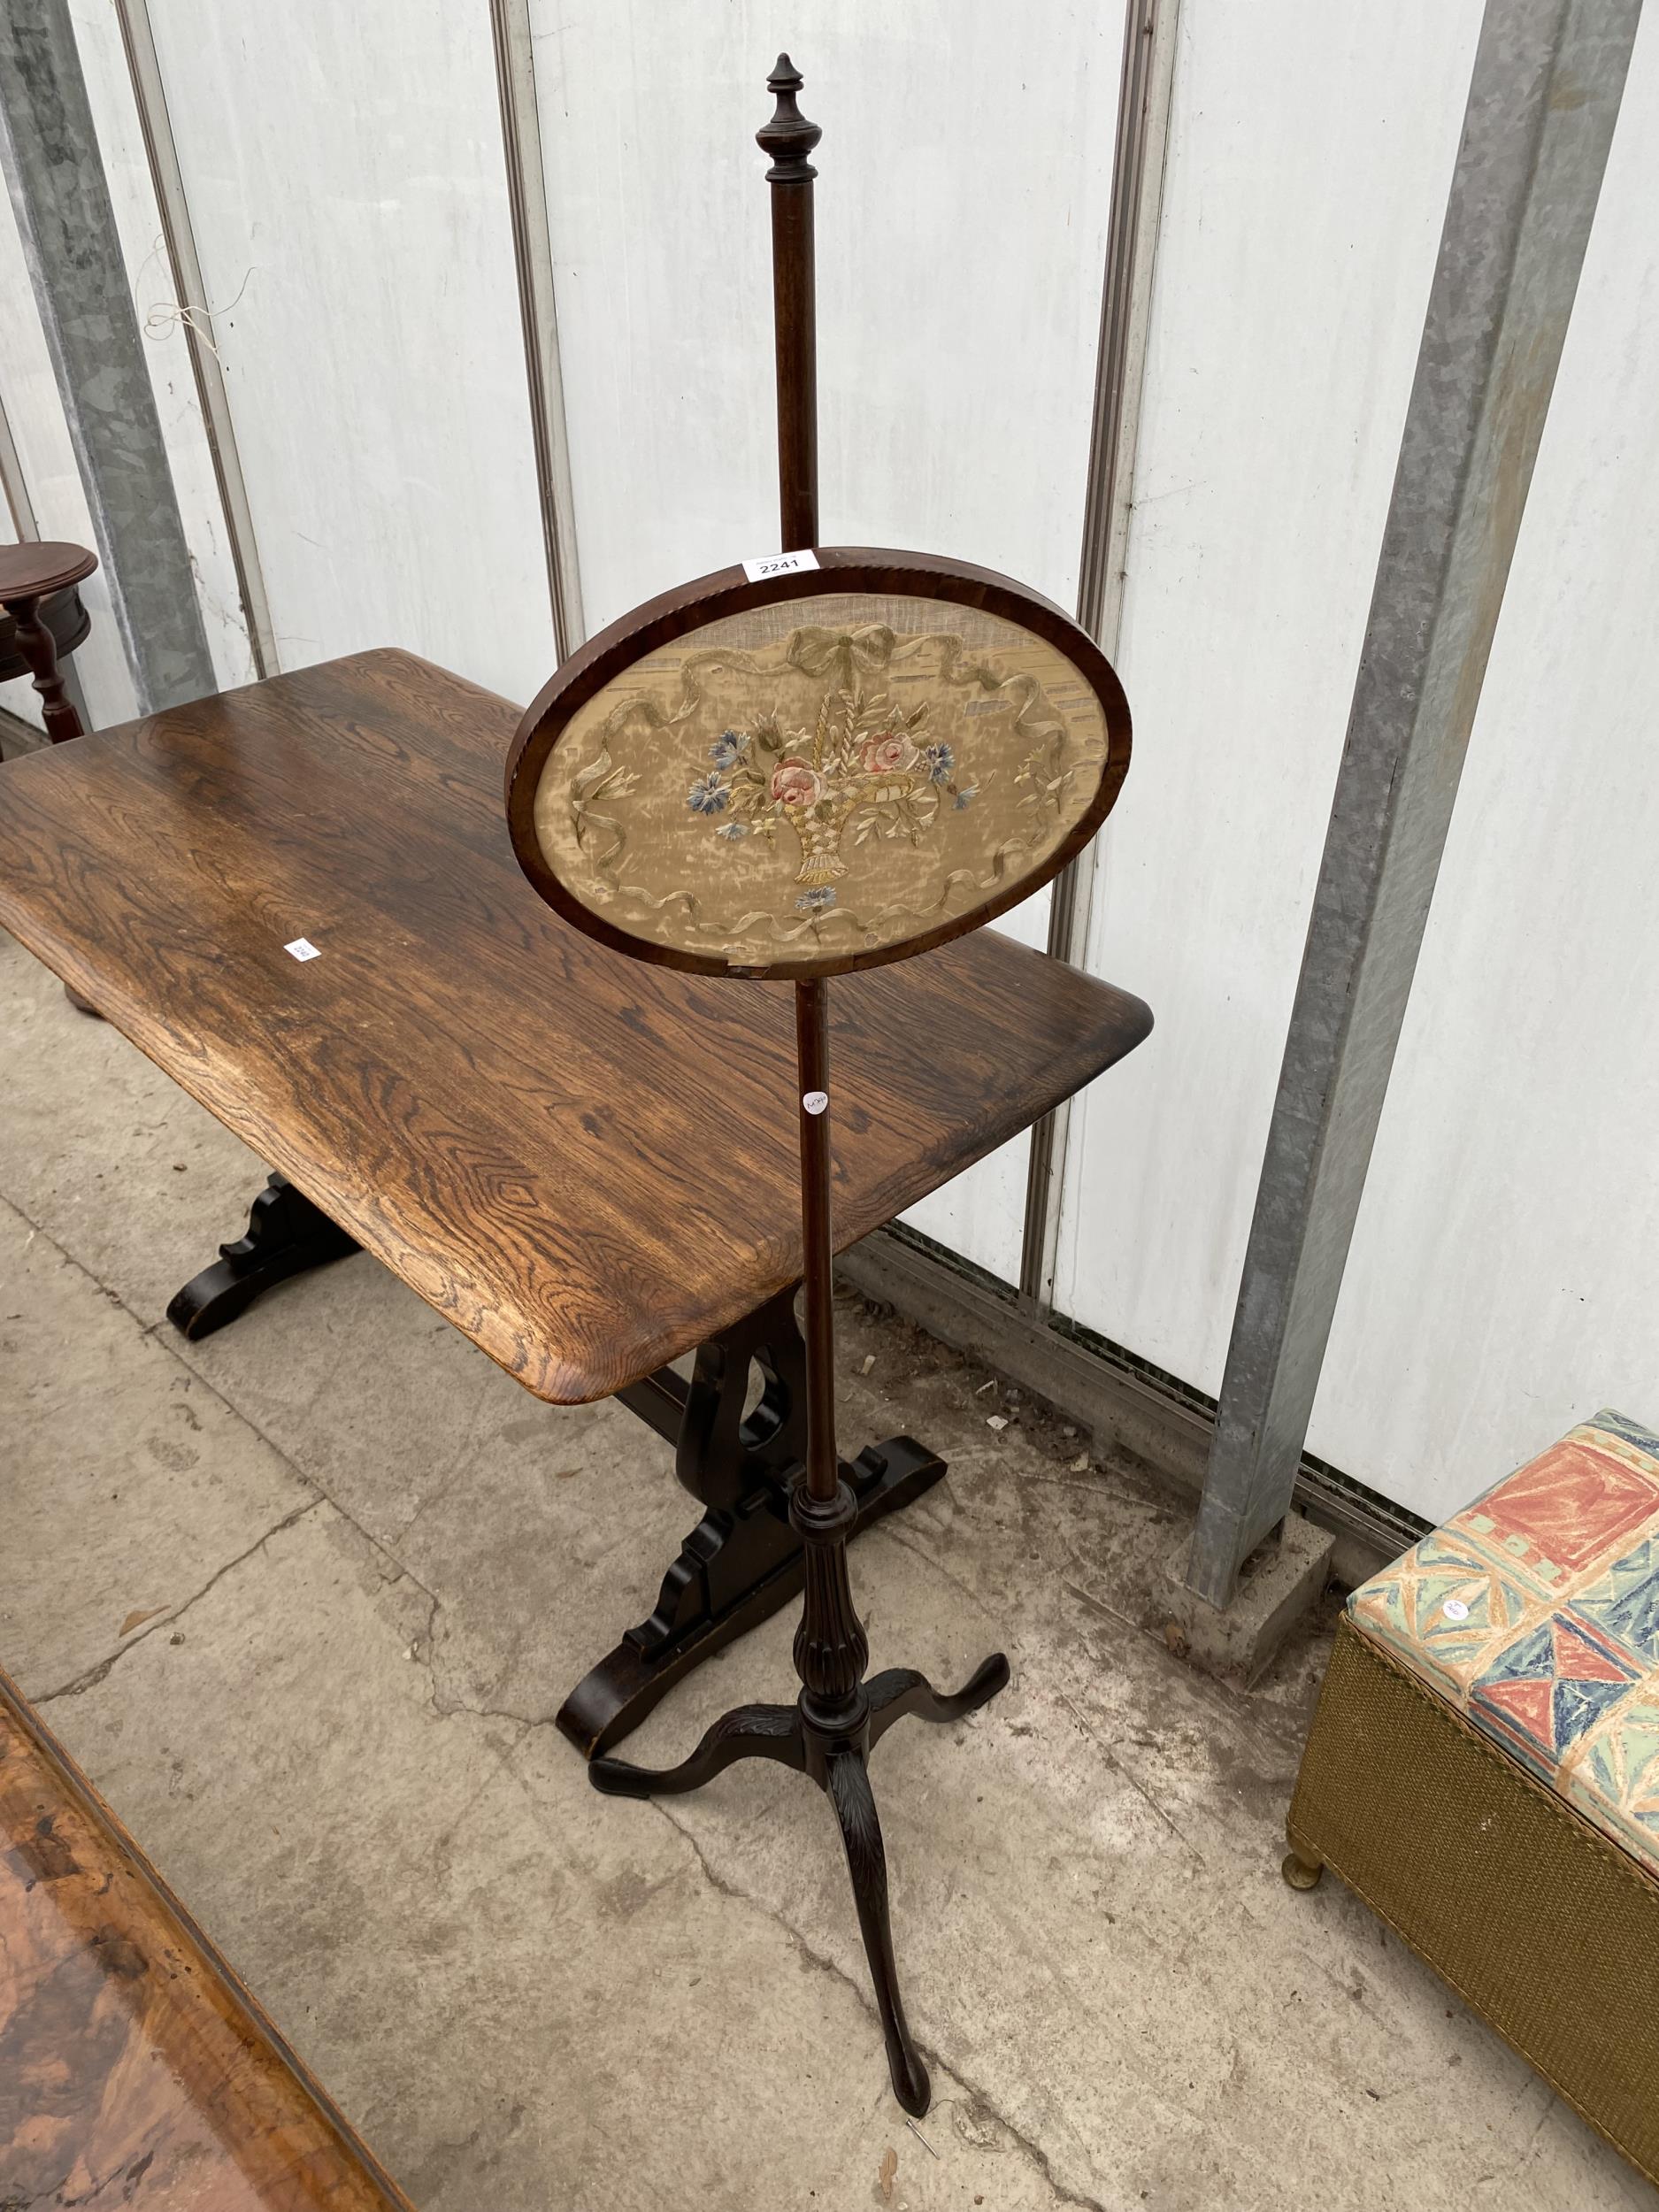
(885, 755)
(796, 783)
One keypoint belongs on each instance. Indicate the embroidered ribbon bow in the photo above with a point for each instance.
(843, 652)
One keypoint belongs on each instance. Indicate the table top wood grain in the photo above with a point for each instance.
(134, 2067)
(587, 1164)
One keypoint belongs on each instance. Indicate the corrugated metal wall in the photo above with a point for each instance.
(346, 189)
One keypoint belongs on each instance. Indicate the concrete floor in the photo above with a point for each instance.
(305, 1599)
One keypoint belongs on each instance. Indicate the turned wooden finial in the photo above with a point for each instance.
(788, 137)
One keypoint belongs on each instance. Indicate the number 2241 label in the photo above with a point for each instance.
(779, 564)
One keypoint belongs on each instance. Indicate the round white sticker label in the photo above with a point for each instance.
(1454, 1609)
(815, 1102)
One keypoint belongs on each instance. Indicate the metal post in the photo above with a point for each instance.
(1543, 100)
(1144, 92)
(144, 67)
(532, 257)
(58, 187)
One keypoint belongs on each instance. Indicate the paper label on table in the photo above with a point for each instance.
(815, 1102)
(303, 948)
(779, 564)
(1454, 1609)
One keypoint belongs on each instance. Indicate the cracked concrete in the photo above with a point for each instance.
(305, 1598)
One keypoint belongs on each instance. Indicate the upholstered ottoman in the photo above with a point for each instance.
(1483, 1767)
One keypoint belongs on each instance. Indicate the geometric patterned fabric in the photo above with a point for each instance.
(1535, 1613)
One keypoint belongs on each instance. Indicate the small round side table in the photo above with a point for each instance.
(29, 573)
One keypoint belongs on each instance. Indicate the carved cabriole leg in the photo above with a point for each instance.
(849, 1792)
(749, 1731)
(831, 1654)
(899, 1693)
(285, 1235)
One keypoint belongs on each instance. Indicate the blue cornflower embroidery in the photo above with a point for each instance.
(727, 749)
(708, 796)
(940, 763)
(816, 902)
(967, 795)
(732, 831)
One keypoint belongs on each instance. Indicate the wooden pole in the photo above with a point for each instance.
(789, 138)
(811, 1035)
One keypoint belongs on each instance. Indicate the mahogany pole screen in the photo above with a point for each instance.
(790, 769)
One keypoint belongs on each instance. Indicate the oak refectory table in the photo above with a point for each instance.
(300, 900)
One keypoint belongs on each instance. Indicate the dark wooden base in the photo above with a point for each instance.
(837, 1757)
(286, 1236)
(742, 1562)
(734, 1571)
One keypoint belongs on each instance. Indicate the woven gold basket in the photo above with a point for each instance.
(1539, 1921)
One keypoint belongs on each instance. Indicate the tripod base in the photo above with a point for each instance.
(837, 1759)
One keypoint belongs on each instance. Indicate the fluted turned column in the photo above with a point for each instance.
(831, 1648)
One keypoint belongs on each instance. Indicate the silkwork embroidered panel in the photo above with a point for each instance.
(833, 773)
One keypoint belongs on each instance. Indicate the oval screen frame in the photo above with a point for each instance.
(874, 771)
